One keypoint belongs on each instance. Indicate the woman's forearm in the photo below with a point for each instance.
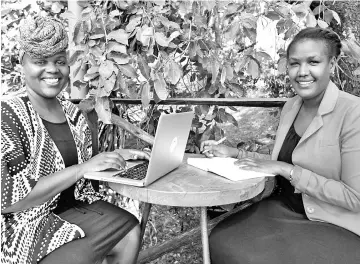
(47, 187)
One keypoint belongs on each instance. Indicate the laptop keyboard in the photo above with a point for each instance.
(138, 172)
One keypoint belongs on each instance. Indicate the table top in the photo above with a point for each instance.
(188, 186)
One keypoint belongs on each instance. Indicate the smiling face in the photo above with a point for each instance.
(309, 68)
(46, 77)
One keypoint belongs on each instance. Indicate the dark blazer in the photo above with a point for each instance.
(327, 158)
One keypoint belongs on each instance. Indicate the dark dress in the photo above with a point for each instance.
(104, 224)
(277, 230)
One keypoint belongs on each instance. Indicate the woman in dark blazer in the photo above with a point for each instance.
(313, 215)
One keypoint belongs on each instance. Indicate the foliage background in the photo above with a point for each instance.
(161, 49)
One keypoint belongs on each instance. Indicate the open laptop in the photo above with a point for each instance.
(167, 153)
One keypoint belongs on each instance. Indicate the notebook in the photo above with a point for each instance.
(225, 167)
(166, 155)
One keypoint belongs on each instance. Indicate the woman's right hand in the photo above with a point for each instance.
(210, 148)
(103, 161)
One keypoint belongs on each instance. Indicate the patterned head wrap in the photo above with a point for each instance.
(42, 37)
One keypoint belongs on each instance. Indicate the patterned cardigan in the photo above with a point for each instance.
(28, 153)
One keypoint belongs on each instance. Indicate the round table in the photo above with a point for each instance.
(188, 186)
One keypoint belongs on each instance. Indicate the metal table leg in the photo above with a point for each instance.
(205, 236)
(144, 219)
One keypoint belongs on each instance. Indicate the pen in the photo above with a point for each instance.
(216, 143)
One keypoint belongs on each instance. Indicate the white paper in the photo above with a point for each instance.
(226, 168)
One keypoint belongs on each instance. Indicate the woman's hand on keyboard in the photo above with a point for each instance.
(103, 161)
(133, 154)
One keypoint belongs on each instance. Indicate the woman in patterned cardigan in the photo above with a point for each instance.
(49, 212)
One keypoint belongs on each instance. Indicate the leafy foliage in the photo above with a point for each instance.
(159, 49)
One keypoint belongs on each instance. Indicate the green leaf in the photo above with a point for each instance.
(122, 85)
(56, 7)
(311, 20)
(128, 70)
(134, 21)
(79, 84)
(213, 88)
(351, 48)
(291, 32)
(97, 36)
(241, 63)
(85, 13)
(120, 36)
(231, 119)
(336, 17)
(119, 58)
(173, 72)
(229, 72)
(91, 76)
(232, 8)
(161, 39)
(173, 35)
(237, 88)
(167, 23)
(214, 71)
(282, 65)
(232, 31)
(76, 31)
(253, 69)
(208, 4)
(264, 55)
(273, 15)
(68, 15)
(115, 46)
(96, 51)
(357, 71)
(114, 13)
(145, 34)
(302, 9)
(106, 69)
(103, 110)
(283, 9)
(93, 69)
(160, 87)
(159, 2)
(328, 16)
(250, 33)
(91, 43)
(145, 94)
(143, 66)
(75, 56)
(204, 109)
(221, 116)
(223, 75)
(184, 8)
(319, 9)
(109, 84)
(77, 66)
(248, 20)
(83, 4)
(322, 23)
(87, 105)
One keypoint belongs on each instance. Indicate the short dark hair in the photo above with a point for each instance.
(330, 38)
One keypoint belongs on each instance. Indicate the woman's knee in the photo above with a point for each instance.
(131, 240)
(134, 234)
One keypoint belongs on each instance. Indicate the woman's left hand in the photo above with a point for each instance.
(267, 166)
(133, 154)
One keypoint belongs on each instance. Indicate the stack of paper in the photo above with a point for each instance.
(225, 167)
